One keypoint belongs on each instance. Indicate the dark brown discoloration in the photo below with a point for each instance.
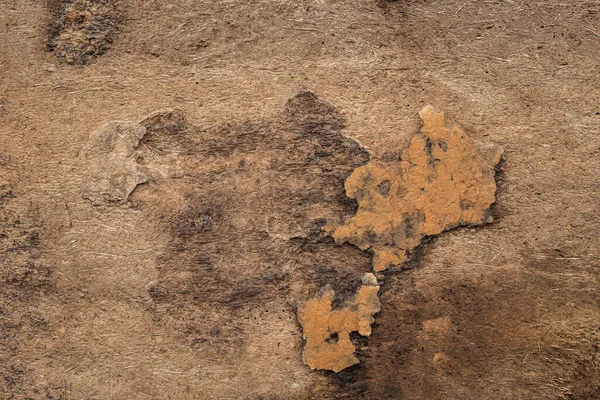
(81, 30)
(518, 74)
(467, 332)
(23, 278)
(246, 236)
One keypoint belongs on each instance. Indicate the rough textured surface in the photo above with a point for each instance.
(327, 331)
(243, 214)
(24, 279)
(520, 295)
(113, 169)
(81, 30)
(440, 182)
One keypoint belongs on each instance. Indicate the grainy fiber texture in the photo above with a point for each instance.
(255, 113)
(81, 30)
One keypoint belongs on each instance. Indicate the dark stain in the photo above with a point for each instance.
(408, 225)
(499, 209)
(257, 194)
(333, 338)
(197, 221)
(384, 188)
(428, 149)
(442, 145)
(402, 191)
(24, 278)
(81, 30)
(432, 161)
(465, 204)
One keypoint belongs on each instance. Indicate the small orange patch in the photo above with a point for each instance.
(327, 331)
